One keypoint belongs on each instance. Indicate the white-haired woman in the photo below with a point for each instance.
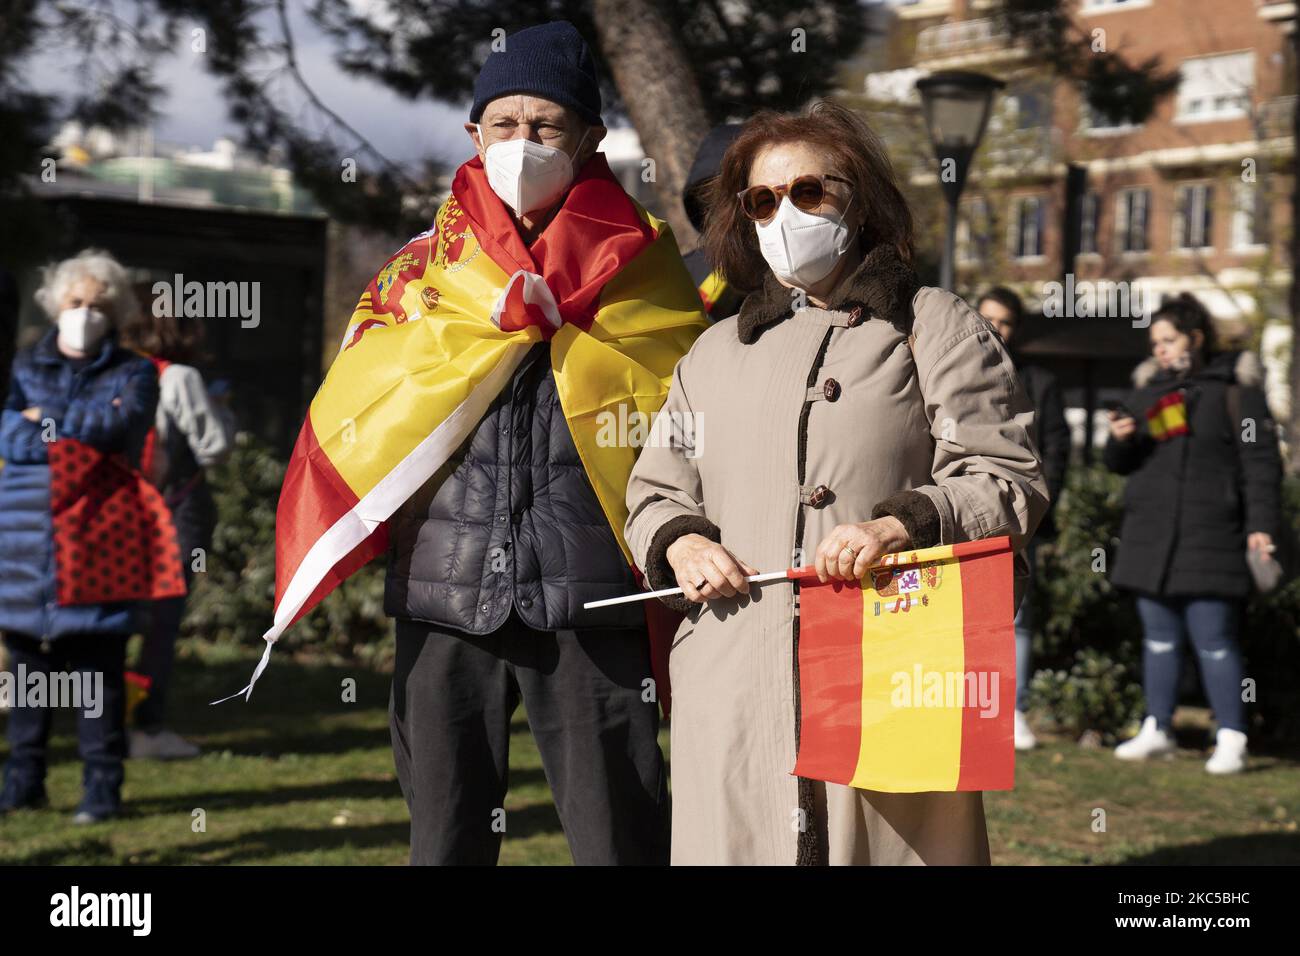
(78, 383)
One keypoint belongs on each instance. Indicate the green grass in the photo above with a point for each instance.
(297, 776)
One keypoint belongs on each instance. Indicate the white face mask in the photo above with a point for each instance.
(528, 175)
(82, 329)
(803, 247)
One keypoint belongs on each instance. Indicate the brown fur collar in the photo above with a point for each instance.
(882, 286)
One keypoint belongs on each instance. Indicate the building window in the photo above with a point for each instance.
(1131, 215)
(1029, 109)
(1097, 123)
(1089, 215)
(1194, 217)
(1249, 217)
(1216, 87)
(1026, 237)
(973, 229)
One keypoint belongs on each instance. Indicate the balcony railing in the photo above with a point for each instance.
(983, 34)
(961, 36)
(1277, 117)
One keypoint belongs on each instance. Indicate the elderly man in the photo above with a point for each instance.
(542, 308)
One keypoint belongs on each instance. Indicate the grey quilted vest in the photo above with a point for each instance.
(510, 520)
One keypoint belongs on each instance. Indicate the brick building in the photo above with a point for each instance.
(1197, 198)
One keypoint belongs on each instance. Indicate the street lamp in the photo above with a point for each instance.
(956, 106)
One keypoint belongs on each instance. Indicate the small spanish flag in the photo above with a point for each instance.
(907, 678)
(1168, 416)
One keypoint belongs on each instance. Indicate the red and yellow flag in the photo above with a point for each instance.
(907, 678)
(438, 334)
(1168, 416)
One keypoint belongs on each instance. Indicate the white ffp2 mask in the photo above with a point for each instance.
(82, 329)
(802, 247)
(528, 175)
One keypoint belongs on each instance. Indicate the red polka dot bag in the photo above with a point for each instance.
(114, 539)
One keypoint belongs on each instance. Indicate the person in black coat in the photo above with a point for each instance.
(720, 299)
(1200, 451)
(1005, 313)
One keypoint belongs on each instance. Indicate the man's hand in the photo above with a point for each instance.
(33, 414)
(850, 549)
(706, 570)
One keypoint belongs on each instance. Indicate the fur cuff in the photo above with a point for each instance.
(658, 572)
(918, 515)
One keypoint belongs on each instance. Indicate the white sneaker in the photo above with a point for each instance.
(160, 745)
(1151, 741)
(1025, 739)
(1229, 752)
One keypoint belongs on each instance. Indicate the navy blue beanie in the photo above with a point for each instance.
(551, 61)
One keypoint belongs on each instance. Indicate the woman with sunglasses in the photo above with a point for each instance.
(842, 414)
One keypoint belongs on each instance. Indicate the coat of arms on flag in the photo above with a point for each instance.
(440, 332)
(907, 678)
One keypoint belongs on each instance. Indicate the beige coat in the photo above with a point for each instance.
(945, 417)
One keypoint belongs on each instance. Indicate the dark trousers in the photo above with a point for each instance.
(157, 655)
(101, 741)
(453, 697)
(194, 517)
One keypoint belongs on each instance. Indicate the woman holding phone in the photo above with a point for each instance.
(1200, 451)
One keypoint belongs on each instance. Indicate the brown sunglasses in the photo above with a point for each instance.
(759, 203)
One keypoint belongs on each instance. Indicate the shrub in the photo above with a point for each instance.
(233, 601)
(1087, 637)
(1096, 693)
(1087, 646)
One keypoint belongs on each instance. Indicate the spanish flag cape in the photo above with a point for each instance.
(438, 334)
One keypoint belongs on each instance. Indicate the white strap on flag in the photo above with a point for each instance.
(536, 292)
(392, 491)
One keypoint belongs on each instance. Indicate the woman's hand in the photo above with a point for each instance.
(1122, 427)
(706, 570)
(850, 549)
(1260, 541)
(33, 414)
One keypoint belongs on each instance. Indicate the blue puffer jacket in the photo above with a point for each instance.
(80, 403)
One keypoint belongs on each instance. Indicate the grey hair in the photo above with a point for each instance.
(119, 299)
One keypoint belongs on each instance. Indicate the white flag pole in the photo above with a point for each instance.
(789, 575)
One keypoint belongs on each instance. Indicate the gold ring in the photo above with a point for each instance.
(852, 551)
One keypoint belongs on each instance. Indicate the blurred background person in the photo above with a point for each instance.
(721, 298)
(1200, 451)
(190, 434)
(8, 334)
(1051, 434)
(78, 383)
(220, 393)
